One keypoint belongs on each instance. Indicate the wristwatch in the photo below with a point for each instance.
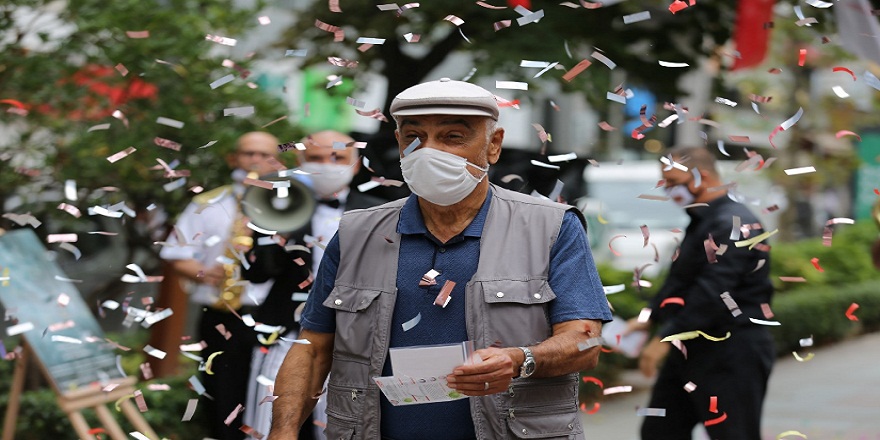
(528, 365)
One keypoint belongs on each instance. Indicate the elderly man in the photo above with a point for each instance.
(330, 163)
(208, 228)
(526, 292)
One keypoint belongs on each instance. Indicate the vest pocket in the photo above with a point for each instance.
(339, 428)
(517, 311)
(550, 422)
(357, 321)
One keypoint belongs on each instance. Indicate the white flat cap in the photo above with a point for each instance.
(445, 97)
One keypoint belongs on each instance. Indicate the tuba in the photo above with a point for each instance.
(287, 207)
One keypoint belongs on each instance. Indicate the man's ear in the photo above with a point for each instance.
(231, 160)
(494, 150)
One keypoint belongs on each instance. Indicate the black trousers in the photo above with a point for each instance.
(735, 371)
(228, 384)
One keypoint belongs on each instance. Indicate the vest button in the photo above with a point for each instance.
(500, 294)
(338, 302)
(442, 250)
(537, 296)
(570, 426)
(525, 431)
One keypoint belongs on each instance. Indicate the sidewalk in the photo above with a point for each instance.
(834, 396)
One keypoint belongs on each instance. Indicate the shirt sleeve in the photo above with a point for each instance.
(187, 224)
(573, 276)
(316, 317)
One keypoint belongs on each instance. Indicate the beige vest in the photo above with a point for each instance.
(506, 301)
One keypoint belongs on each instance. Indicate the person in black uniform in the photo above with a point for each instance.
(330, 162)
(718, 288)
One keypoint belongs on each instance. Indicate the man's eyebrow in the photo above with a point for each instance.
(460, 121)
(408, 121)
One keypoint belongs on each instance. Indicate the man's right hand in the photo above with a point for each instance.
(212, 276)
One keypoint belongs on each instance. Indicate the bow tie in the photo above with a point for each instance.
(333, 203)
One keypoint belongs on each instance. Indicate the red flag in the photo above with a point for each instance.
(524, 3)
(752, 32)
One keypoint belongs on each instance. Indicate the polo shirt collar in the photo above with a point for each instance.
(411, 221)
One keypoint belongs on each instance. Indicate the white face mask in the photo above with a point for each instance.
(439, 177)
(680, 194)
(328, 178)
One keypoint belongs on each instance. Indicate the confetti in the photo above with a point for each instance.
(210, 361)
(615, 97)
(169, 122)
(443, 297)
(803, 359)
(616, 390)
(843, 133)
(690, 387)
(785, 125)
(296, 53)
(592, 410)
(590, 343)
(576, 70)
(764, 322)
(651, 412)
(793, 279)
(676, 6)
(222, 81)
(411, 147)
(752, 242)
(166, 143)
(191, 405)
(609, 290)
(221, 40)
(850, 312)
(844, 69)
(488, 6)
(637, 17)
(137, 34)
(511, 85)
(155, 352)
(593, 380)
(408, 325)
(120, 155)
(544, 165)
(607, 127)
(414, 38)
(731, 304)
(788, 433)
(672, 64)
(197, 385)
(840, 92)
(232, 415)
(806, 342)
(59, 238)
(672, 300)
(454, 20)
(239, 111)
(693, 335)
(598, 56)
(716, 420)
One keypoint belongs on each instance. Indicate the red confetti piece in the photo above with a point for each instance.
(606, 126)
(844, 69)
(815, 262)
(775, 71)
(849, 312)
(592, 410)
(741, 139)
(713, 404)
(137, 34)
(443, 297)
(576, 70)
(802, 57)
(672, 300)
(716, 420)
(676, 6)
(595, 380)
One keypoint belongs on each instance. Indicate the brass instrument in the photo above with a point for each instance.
(284, 209)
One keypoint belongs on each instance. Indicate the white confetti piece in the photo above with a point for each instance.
(615, 97)
(98, 127)
(690, 387)
(511, 85)
(533, 17)
(70, 190)
(221, 40)
(197, 385)
(600, 57)
(296, 53)
(365, 40)
(238, 111)
(120, 155)
(264, 20)
(562, 157)
(806, 342)
(651, 412)
(265, 381)
(19, 328)
(609, 290)
(819, 4)
(589, 343)
(616, 390)
(72, 249)
(366, 186)
(637, 17)
(156, 317)
(672, 64)
(65, 339)
(408, 325)
(233, 414)
(725, 101)
(840, 92)
(155, 352)
(534, 64)
(544, 165)
(644, 315)
(191, 405)
(225, 80)
(138, 435)
(59, 238)
(174, 184)
(801, 170)
(169, 122)
(764, 322)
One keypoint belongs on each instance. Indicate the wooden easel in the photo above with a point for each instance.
(73, 402)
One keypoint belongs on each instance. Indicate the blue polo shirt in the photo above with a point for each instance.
(572, 277)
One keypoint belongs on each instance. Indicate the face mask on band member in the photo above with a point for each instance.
(328, 178)
(439, 177)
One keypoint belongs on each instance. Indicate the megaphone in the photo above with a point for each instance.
(285, 208)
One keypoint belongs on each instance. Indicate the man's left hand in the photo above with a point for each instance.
(489, 376)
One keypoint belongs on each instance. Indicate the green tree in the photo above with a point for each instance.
(85, 79)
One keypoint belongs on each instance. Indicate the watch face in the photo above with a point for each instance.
(528, 368)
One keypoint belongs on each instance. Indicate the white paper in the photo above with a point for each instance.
(420, 373)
